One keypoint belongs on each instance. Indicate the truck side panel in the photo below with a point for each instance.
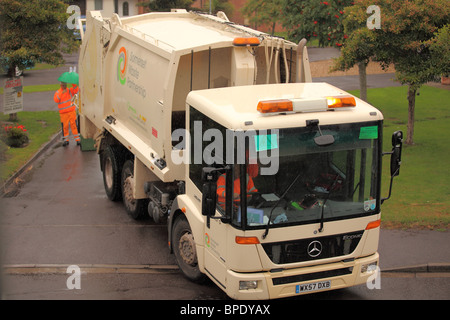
(133, 95)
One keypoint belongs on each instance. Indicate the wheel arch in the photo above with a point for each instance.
(109, 140)
(182, 206)
(174, 215)
(182, 224)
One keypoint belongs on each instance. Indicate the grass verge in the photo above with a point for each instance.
(37, 88)
(40, 125)
(421, 194)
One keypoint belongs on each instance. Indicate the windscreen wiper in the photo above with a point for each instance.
(325, 201)
(276, 204)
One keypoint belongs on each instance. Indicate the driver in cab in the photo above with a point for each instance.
(252, 171)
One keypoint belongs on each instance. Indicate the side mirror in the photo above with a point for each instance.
(396, 155)
(396, 158)
(209, 190)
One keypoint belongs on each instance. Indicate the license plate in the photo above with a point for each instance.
(314, 286)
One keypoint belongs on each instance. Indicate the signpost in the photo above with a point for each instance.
(13, 95)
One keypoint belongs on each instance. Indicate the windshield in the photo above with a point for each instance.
(311, 183)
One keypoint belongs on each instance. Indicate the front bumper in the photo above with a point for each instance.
(284, 283)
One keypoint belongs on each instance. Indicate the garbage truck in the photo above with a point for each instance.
(269, 183)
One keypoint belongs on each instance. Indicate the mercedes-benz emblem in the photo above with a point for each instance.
(314, 249)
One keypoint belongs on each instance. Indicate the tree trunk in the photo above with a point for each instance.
(411, 107)
(362, 80)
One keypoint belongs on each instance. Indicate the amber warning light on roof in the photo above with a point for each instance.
(305, 105)
(270, 106)
(242, 42)
(339, 102)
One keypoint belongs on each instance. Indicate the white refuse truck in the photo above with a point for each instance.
(269, 183)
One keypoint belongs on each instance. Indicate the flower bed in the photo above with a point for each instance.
(15, 136)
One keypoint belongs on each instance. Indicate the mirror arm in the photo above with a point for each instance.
(397, 139)
(390, 187)
(392, 178)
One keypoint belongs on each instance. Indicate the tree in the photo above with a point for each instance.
(440, 49)
(219, 5)
(34, 31)
(166, 5)
(359, 46)
(406, 29)
(263, 12)
(315, 19)
(412, 37)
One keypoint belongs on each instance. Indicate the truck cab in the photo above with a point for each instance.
(310, 218)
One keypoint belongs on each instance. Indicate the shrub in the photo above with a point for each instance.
(15, 137)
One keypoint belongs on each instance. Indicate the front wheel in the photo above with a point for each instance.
(135, 207)
(185, 251)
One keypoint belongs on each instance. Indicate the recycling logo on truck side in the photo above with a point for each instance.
(122, 65)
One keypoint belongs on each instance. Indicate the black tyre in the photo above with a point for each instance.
(134, 207)
(111, 163)
(184, 249)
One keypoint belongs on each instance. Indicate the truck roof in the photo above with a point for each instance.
(236, 107)
(183, 30)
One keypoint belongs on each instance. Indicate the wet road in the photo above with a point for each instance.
(61, 217)
(63, 210)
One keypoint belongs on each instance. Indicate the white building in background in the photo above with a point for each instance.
(123, 8)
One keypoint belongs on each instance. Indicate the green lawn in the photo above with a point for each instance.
(38, 88)
(40, 126)
(421, 194)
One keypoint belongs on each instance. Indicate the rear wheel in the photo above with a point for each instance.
(185, 251)
(111, 162)
(135, 207)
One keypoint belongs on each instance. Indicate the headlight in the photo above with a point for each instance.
(369, 268)
(246, 285)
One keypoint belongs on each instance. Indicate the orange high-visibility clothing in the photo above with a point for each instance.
(237, 188)
(74, 90)
(67, 112)
(69, 119)
(64, 100)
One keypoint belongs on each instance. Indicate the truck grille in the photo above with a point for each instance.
(312, 248)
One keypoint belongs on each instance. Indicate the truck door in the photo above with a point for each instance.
(207, 146)
(216, 248)
(219, 232)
